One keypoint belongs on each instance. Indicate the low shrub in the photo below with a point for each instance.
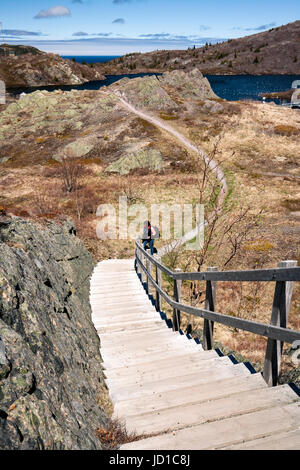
(115, 434)
(167, 117)
(291, 204)
(286, 130)
(259, 245)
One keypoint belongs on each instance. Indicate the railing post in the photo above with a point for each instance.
(177, 294)
(148, 266)
(137, 265)
(158, 282)
(210, 301)
(280, 311)
(142, 258)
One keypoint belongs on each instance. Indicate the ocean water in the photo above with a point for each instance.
(249, 87)
(94, 85)
(90, 59)
(229, 87)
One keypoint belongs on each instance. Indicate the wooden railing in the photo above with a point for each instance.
(276, 332)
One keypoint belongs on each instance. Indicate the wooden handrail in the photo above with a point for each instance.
(264, 275)
(276, 331)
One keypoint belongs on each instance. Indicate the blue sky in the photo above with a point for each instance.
(114, 27)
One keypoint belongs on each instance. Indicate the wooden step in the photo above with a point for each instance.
(128, 337)
(143, 389)
(101, 306)
(122, 293)
(193, 365)
(289, 440)
(110, 313)
(134, 315)
(197, 361)
(130, 316)
(111, 302)
(211, 410)
(226, 432)
(130, 319)
(154, 366)
(172, 351)
(189, 394)
(122, 357)
(145, 343)
(135, 340)
(125, 327)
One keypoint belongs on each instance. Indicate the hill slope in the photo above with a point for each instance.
(276, 51)
(23, 66)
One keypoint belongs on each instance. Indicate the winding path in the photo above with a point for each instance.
(215, 168)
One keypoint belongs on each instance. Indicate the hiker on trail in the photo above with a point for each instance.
(149, 234)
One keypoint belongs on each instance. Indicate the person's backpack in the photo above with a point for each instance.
(157, 234)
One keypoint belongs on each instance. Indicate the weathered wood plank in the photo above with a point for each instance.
(280, 311)
(210, 301)
(148, 270)
(262, 329)
(177, 295)
(263, 275)
(158, 282)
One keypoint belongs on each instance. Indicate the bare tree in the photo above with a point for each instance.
(228, 226)
(70, 171)
(129, 189)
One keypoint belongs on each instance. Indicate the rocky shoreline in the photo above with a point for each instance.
(30, 68)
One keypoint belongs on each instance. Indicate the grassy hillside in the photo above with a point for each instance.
(276, 51)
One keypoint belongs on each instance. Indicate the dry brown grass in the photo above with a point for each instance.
(260, 153)
(286, 130)
(115, 434)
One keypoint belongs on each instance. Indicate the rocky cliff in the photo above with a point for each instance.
(50, 366)
(29, 67)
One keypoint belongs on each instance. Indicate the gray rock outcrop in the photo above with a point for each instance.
(50, 365)
(2, 92)
(191, 84)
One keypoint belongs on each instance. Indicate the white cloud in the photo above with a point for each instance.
(53, 12)
(114, 45)
(262, 27)
(20, 32)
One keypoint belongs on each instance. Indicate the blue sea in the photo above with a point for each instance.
(229, 87)
(91, 59)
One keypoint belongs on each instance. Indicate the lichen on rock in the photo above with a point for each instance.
(147, 92)
(50, 365)
(189, 84)
(148, 158)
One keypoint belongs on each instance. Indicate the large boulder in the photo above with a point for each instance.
(148, 158)
(189, 84)
(50, 365)
(146, 92)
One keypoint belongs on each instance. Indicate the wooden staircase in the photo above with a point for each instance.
(163, 384)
